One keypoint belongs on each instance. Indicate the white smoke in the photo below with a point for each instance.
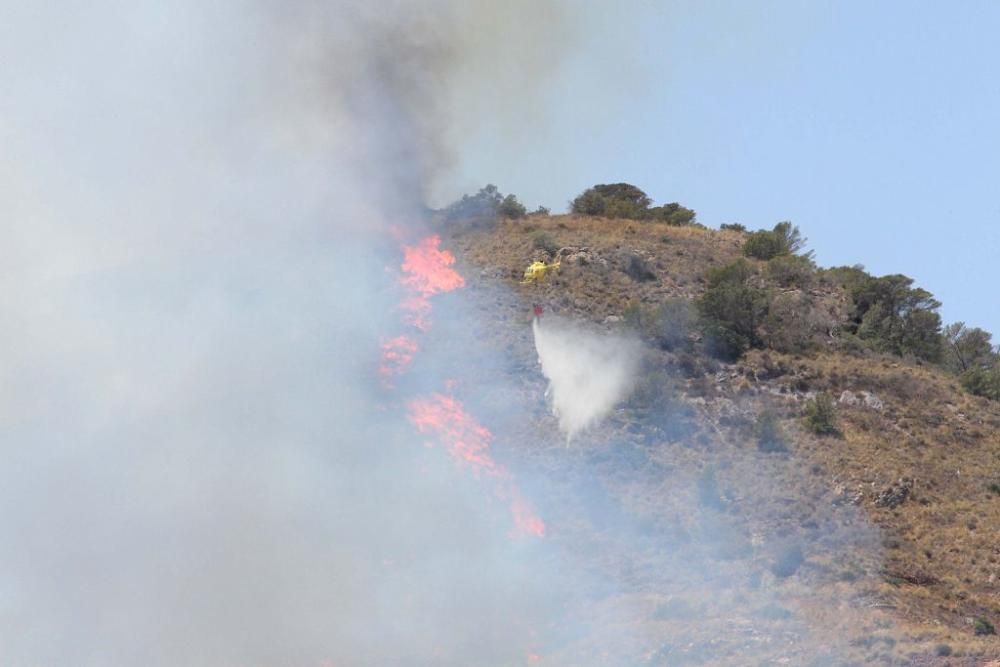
(196, 467)
(588, 374)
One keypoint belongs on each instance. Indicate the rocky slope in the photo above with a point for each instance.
(877, 545)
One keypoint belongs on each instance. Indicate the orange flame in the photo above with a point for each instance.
(469, 441)
(397, 355)
(426, 271)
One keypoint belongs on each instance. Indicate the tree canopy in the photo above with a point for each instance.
(784, 239)
(624, 200)
(897, 317)
(484, 206)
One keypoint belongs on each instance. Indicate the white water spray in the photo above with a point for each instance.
(588, 373)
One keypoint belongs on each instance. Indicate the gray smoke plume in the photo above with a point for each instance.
(199, 465)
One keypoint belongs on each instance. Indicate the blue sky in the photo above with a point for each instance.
(875, 127)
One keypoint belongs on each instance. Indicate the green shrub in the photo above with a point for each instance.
(731, 311)
(820, 415)
(983, 382)
(892, 316)
(541, 240)
(844, 276)
(983, 627)
(762, 245)
(966, 348)
(791, 271)
(638, 269)
(784, 239)
(994, 488)
(624, 200)
(541, 210)
(942, 650)
(792, 323)
(672, 214)
(510, 207)
(612, 200)
(733, 227)
(791, 239)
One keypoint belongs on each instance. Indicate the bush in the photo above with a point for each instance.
(672, 214)
(624, 200)
(791, 271)
(541, 240)
(484, 207)
(541, 210)
(511, 208)
(614, 200)
(966, 348)
(821, 415)
(762, 245)
(791, 239)
(638, 269)
(793, 323)
(733, 227)
(784, 239)
(847, 277)
(892, 316)
(767, 430)
(983, 627)
(731, 311)
(983, 382)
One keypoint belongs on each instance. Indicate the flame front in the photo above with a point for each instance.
(426, 271)
(397, 355)
(468, 441)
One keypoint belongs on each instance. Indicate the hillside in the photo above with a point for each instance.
(731, 531)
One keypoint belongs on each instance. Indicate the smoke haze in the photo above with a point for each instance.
(199, 466)
(199, 463)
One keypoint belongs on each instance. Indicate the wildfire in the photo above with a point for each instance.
(397, 355)
(426, 271)
(469, 442)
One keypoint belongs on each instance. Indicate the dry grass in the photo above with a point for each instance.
(891, 583)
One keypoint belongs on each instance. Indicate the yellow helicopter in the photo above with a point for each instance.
(538, 270)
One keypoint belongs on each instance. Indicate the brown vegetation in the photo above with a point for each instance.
(890, 515)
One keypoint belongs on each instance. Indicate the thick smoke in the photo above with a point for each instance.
(588, 374)
(199, 465)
